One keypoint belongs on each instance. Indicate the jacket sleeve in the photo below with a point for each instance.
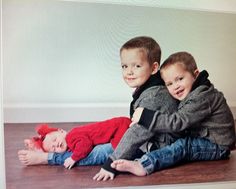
(123, 125)
(107, 166)
(157, 99)
(133, 138)
(189, 114)
(82, 147)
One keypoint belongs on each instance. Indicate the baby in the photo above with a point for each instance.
(80, 140)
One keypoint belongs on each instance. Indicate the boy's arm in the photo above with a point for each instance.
(192, 112)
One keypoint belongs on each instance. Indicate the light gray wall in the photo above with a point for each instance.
(63, 54)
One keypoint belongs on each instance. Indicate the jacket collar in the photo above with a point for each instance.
(154, 80)
(202, 79)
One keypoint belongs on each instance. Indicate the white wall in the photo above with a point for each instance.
(61, 58)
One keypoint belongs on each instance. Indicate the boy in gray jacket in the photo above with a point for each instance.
(151, 94)
(202, 113)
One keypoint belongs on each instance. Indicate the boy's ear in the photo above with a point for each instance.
(196, 73)
(155, 67)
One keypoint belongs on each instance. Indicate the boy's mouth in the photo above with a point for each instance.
(130, 79)
(180, 92)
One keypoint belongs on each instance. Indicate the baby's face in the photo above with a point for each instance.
(178, 80)
(55, 142)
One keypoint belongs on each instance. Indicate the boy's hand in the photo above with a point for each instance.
(136, 116)
(69, 162)
(131, 124)
(103, 175)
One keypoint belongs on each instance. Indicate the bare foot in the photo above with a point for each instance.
(129, 166)
(29, 157)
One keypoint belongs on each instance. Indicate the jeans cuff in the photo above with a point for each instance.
(147, 164)
(50, 158)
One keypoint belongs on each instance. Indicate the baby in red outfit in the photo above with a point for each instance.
(80, 140)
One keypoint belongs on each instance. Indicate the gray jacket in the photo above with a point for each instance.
(203, 113)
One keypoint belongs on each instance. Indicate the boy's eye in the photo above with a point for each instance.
(137, 66)
(123, 66)
(168, 84)
(180, 78)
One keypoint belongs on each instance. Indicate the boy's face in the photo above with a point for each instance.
(178, 80)
(135, 68)
(55, 141)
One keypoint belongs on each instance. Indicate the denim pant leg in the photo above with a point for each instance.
(163, 157)
(201, 149)
(97, 156)
(58, 158)
(182, 150)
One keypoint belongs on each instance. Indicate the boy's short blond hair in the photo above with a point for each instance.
(184, 58)
(148, 45)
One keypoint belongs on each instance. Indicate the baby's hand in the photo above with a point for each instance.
(136, 116)
(103, 175)
(69, 162)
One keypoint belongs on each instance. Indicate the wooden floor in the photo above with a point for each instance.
(43, 177)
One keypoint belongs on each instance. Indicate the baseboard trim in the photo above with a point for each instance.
(85, 112)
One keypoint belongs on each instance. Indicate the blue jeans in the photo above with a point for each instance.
(97, 156)
(182, 150)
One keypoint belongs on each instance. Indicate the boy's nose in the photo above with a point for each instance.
(176, 86)
(130, 71)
